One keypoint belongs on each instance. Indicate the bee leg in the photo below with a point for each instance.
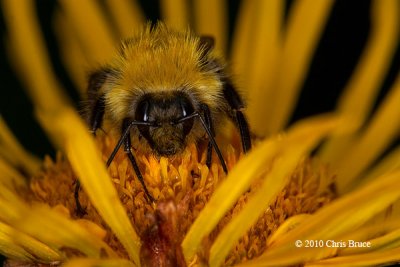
(96, 117)
(236, 104)
(80, 211)
(209, 154)
(208, 121)
(128, 151)
(207, 124)
(244, 131)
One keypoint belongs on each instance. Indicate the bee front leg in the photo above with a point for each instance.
(128, 151)
(80, 211)
(208, 127)
(208, 121)
(236, 104)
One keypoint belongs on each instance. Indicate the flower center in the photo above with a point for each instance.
(186, 181)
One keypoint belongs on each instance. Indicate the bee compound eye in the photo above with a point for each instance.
(186, 110)
(186, 107)
(142, 111)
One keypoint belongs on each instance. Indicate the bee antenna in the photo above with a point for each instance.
(120, 141)
(124, 135)
(212, 140)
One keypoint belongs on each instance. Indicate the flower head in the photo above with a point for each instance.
(317, 192)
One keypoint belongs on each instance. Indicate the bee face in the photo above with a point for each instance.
(166, 134)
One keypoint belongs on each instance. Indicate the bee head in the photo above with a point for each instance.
(167, 132)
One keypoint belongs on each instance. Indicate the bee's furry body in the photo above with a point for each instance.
(166, 87)
(160, 64)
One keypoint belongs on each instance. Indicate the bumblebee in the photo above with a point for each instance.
(168, 87)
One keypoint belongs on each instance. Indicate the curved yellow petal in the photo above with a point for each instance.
(210, 18)
(334, 220)
(262, 62)
(59, 230)
(359, 95)
(372, 231)
(90, 25)
(305, 24)
(389, 163)
(367, 259)
(175, 13)
(11, 250)
(89, 262)
(127, 16)
(71, 134)
(389, 240)
(286, 226)
(297, 145)
(26, 244)
(13, 152)
(383, 129)
(75, 60)
(29, 55)
(241, 55)
(10, 177)
(291, 258)
(243, 174)
(238, 181)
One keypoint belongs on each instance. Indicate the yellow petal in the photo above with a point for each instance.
(305, 24)
(355, 208)
(10, 177)
(262, 62)
(75, 60)
(210, 19)
(287, 226)
(88, 262)
(59, 230)
(295, 147)
(389, 240)
(360, 93)
(379, 233)
(10, 249)
(389, 163)
(238, 181)
(92, 228)
(27, 246)
(175, 13)
(71, 134)
(383, 129)
(13, 152)
(91, 27)
(127, 16)
(29, 55)
(243, 40)
(13, 251)
(341, 216)
(368, 259)
(291, 258)
(241, 176)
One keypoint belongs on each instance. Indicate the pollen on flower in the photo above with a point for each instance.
(186, 181)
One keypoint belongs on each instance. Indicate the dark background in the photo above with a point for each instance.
(335, 58)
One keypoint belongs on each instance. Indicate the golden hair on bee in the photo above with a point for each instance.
(168, 88)
(163, 62)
